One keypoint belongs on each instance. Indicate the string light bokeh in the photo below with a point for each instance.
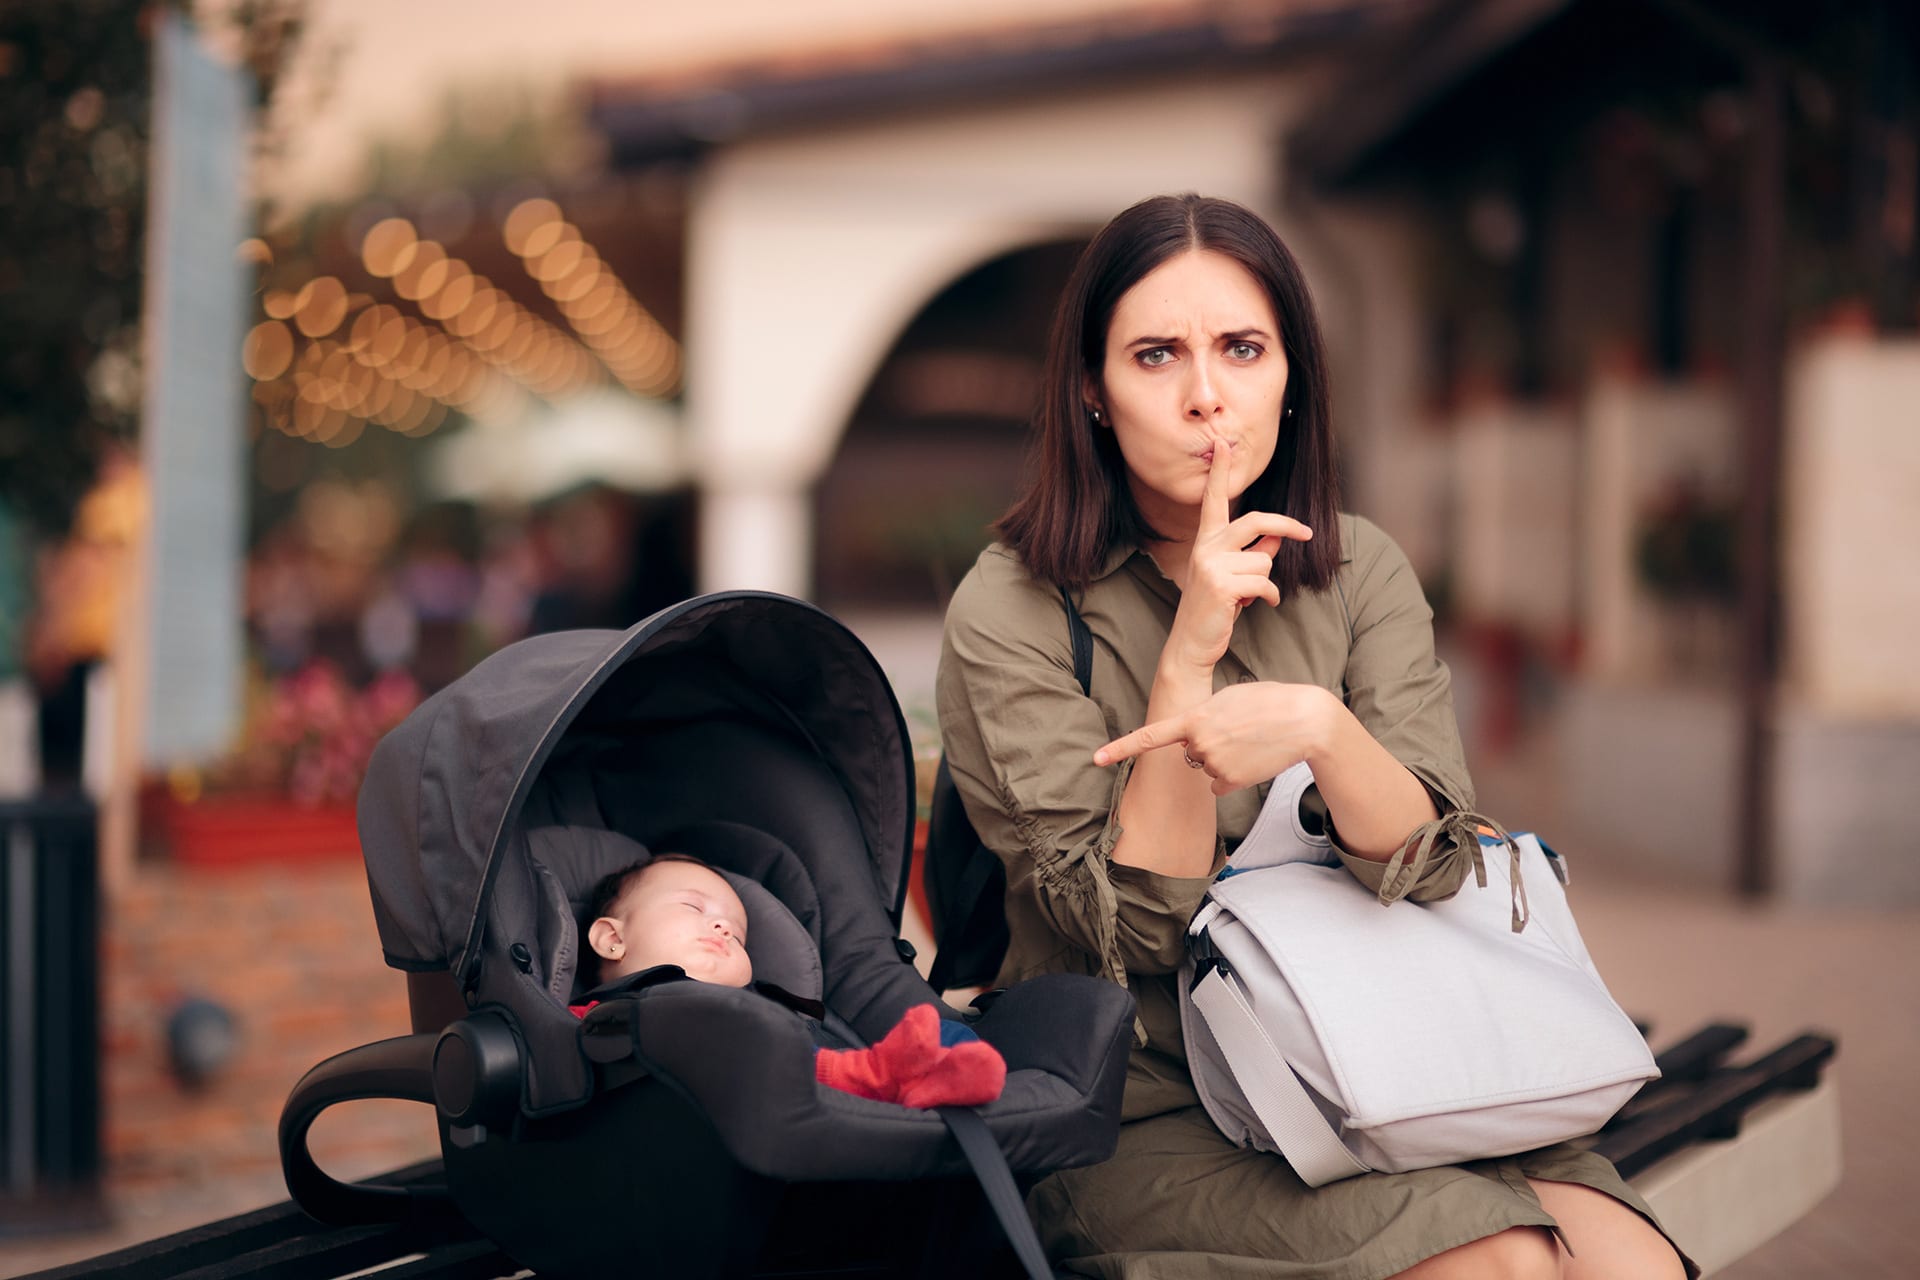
(429, 337)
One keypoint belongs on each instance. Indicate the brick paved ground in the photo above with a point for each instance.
(293, 953)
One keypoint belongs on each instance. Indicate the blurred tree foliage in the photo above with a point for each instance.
(76, 81)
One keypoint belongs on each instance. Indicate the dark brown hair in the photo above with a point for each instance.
(1078, 505)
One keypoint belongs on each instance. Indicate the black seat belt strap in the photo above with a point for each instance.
(996, 1179)
(990, 1169)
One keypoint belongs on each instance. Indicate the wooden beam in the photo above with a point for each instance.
(1382, 99)
(1763, 350)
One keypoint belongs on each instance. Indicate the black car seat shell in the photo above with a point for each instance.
(753, 731)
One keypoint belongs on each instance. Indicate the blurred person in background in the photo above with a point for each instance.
(438, 581)
(607, 560)
(80, 585)
(584, 540)
(280, 599)
(19, 753)
(16, 591)
(509, 579)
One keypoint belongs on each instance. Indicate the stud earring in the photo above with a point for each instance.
(1093, 415)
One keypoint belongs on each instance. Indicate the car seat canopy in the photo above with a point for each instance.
(592, 727)
(749, 729)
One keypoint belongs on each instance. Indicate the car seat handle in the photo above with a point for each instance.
(401, 1067)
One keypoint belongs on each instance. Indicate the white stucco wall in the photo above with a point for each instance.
(1642, 438)
(1852, 519)
(808, 255)
(1362, 260)
(1514, 483)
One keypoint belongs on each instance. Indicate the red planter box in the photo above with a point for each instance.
(230, 831)
(226, 831)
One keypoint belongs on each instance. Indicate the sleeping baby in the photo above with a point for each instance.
(676, 910)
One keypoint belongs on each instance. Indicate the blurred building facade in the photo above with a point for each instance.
(1622, 298)
(776, 321)
(1602, 280)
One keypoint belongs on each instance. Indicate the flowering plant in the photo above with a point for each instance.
(312, 732)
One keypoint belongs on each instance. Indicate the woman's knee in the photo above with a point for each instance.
(1608, 1239)
(1518, 1253)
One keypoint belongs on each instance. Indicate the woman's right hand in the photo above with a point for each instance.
(1229, 567)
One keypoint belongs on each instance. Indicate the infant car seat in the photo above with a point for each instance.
(677, 1129)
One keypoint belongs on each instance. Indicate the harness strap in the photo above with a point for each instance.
(1304, 1136)
(996, 1180)
(990, 1170)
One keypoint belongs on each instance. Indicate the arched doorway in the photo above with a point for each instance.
(935, 448)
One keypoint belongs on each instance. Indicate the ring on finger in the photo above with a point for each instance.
(1191, 762)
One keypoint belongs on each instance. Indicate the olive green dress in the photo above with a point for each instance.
(1178, 1199)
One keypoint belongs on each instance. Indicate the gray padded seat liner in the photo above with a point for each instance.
(782, 949)
(748, 1063)
(748, 1060)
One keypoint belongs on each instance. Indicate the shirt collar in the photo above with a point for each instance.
(1117, 555)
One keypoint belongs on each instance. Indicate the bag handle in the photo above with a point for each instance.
(1276, 1094)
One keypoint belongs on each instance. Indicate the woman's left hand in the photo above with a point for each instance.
(1242, 735)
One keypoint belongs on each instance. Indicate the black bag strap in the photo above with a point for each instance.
(1082, 644)
(971, 893)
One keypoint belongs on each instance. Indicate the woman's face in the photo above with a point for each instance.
(1193, 360)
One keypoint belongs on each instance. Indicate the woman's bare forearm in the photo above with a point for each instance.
(1374, 800)
(1167, 815)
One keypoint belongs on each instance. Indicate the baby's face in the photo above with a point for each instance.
(676, 913)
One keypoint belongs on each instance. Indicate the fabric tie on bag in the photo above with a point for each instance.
(1464, 827)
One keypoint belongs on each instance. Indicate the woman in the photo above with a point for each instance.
(1185, 497)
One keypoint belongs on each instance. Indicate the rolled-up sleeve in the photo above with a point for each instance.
(1154, 910)
(1019, 736)
(1398, 688)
